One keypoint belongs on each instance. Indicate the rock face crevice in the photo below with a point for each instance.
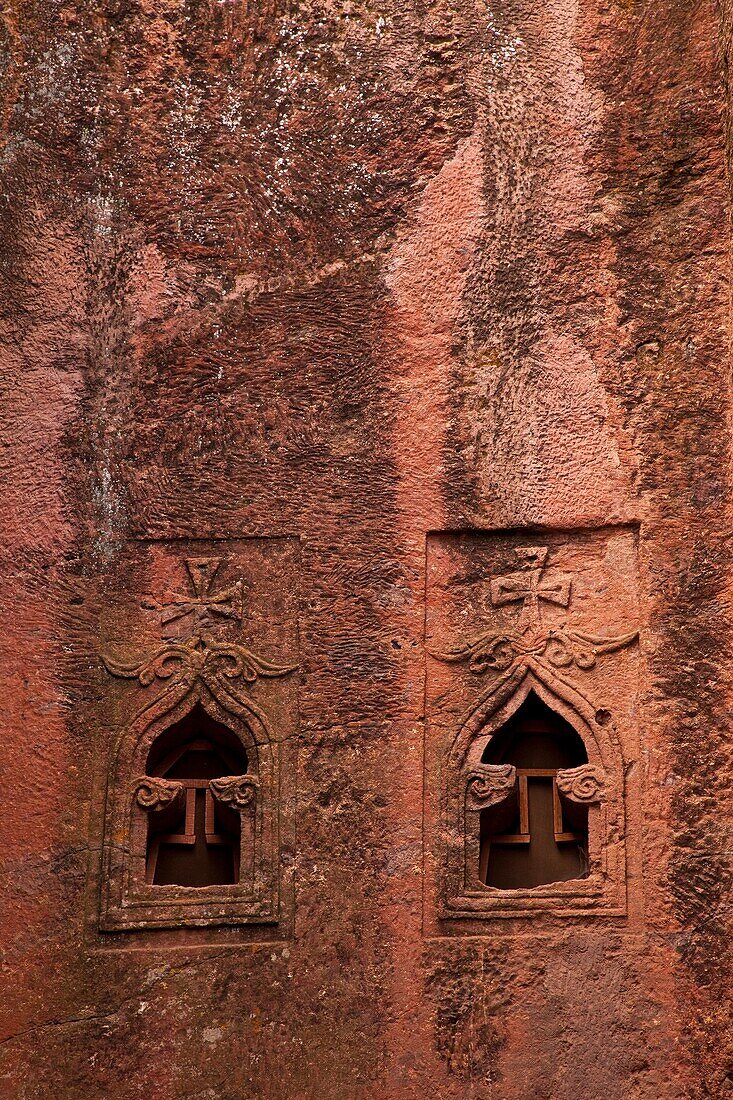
(360, 300)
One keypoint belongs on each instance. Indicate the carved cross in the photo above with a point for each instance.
(530, 587)
(204, 603)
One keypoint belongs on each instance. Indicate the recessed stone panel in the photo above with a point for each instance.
(515, 620)
(196, 634)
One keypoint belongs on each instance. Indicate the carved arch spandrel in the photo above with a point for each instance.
(496, 706)
(199, 689)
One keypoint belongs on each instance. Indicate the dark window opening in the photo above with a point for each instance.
(196, 840)
(537, 836)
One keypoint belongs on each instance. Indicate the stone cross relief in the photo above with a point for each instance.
(530, 641)
(205, 604)
(529, 586)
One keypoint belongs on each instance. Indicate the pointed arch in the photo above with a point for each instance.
(247, 723)
(494, 709)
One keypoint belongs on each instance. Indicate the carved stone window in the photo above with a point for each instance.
(195, 838)
(191, 822)
(526, 809)
(536, 835)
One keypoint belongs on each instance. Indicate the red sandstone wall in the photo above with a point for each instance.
(355, 272)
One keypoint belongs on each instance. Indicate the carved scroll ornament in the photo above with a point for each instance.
(586, 784)
(559, 647)
(238, 791)
(153, 793)
(489, 784)
(199, 657)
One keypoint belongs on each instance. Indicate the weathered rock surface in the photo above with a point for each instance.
(354, 272)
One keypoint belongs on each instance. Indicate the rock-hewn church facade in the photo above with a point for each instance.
(366, 550)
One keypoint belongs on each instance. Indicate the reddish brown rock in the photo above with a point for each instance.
(399, 289)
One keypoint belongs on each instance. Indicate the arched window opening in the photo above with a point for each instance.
(536, 836)
(195, 839)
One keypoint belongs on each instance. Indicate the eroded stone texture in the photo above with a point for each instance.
(352, 273)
